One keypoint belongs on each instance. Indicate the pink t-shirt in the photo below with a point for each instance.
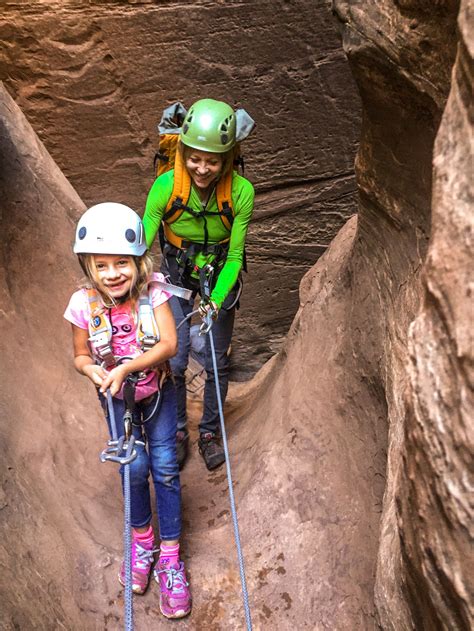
(124, 330)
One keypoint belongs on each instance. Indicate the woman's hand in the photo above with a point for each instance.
(95, 373)
(206, 308)
(114, 379)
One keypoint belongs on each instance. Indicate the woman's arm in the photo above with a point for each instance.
(233, 264)
(165, 349)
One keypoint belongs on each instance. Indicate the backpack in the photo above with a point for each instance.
(168, 157)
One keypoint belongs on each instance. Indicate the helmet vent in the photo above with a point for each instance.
(82, 232)
(224, 139)
(185, 128)
(223, 127)
(130, 235)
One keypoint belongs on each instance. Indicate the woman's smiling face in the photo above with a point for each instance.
(204, 168)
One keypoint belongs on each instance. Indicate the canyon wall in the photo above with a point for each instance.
(414, 250)
(435, 506)
(49, 430)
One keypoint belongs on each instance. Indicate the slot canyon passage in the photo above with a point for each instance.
(348, 419)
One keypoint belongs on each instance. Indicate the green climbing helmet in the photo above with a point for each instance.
(209, 126)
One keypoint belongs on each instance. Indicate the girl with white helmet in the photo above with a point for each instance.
(106, 331)
(197, 232)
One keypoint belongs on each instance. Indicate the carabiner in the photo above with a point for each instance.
(207, 323)
(118, 447)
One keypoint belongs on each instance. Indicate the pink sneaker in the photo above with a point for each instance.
(142, 560)
(175, 597)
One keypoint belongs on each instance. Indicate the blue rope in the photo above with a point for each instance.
(127, 546)
(113, 424)
(127, 528)
(231, 489)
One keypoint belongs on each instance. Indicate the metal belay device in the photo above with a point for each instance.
(122, 451)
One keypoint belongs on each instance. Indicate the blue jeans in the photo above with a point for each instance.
(222, 330)
(157, 458)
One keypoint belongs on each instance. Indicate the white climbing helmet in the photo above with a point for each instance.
(110, 228)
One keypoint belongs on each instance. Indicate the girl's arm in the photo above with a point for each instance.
(163, 350)
(83, 362)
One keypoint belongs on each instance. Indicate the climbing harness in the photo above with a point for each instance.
(206, 328)
(122, 451)
(100, 327)
(187, 272)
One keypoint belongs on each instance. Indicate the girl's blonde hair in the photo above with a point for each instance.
(143, 268)
(227, 157)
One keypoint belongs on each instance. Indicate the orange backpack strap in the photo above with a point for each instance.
(181, 191)
(224, 200)
(179, 198)
(100, 330)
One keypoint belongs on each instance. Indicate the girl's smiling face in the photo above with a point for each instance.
(116, 274)
(204, 168)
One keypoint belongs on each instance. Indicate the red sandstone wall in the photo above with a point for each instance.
(411, 263)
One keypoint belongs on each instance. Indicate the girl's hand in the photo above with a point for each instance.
(95, 373)
(114, 379)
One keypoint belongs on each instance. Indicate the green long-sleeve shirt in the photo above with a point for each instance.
(192, 228)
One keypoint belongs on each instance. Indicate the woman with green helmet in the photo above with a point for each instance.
(203, 239)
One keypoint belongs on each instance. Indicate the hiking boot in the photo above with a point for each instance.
(182, 447)
(211, 450)
(175, 597)
(142, 560)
